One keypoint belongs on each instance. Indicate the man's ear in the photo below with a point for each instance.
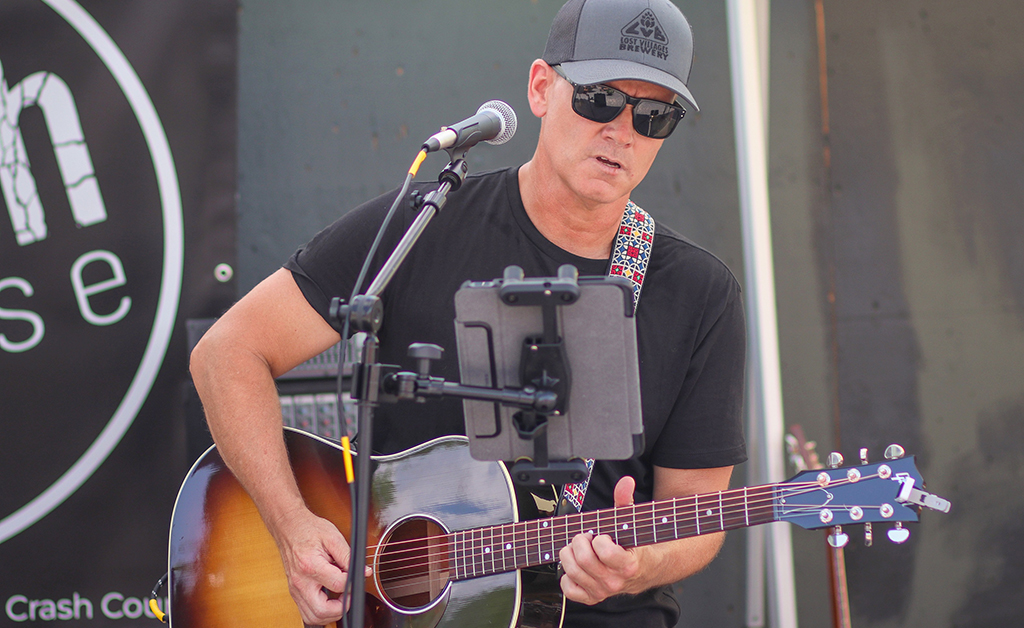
(542, 78)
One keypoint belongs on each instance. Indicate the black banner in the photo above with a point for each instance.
(117, 173)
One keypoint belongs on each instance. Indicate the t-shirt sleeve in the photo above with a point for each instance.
(329, 264)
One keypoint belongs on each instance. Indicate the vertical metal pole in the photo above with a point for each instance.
(361, 515)
(757, 472)
(749, 108)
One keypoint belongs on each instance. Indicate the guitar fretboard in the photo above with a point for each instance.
(502, 548)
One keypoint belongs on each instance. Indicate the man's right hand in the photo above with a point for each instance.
(316, 558)
(267, 333)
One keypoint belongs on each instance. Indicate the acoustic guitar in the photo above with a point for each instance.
(454, 542)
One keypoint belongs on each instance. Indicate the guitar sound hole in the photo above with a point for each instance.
(413, 566)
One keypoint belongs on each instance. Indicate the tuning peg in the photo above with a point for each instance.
(838, 538)
(894, 451)
(899, 534)
(869, 537)
(835, 460)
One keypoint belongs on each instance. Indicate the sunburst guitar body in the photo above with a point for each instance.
(225, 570)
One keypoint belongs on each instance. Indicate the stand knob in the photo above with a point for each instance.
(424, 353)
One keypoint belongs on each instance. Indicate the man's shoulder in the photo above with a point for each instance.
(487, 181)
(673, 253)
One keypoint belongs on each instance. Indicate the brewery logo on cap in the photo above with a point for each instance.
(644, 34)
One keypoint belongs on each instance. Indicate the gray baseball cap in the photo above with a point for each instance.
(597, 41)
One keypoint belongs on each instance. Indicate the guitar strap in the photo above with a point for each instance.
(630, 255)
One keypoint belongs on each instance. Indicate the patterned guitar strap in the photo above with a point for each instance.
(630, 255)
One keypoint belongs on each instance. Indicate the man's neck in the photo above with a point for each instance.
(574, 225)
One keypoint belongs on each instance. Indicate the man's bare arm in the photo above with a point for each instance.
(268, 332)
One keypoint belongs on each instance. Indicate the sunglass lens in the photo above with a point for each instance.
(655, 119)
(598, 102)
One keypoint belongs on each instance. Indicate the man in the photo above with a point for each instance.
(608, 91)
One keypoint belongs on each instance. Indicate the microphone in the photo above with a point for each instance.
(494, 123)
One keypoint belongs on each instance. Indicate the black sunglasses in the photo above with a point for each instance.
(601, 103)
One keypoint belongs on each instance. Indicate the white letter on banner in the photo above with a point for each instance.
(83, 292)
(9, 607)
(25, 315)
(51, 94)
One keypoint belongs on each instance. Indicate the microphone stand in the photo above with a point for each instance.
(366, 313)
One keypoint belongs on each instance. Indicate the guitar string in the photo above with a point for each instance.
(443, 561)
(417, 587)
(640, 517)
(732, 498)
(393, 559)
(663, 506)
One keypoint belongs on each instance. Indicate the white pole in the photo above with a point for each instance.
(749, 107)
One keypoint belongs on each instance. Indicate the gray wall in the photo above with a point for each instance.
(899, 243)
(898, 237)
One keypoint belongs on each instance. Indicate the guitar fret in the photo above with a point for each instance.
(650, 531)
(474, 553)
(489, 550)
(516, 564)
(632, 524)
(746, 508)
(549, 536)
(565, 540)
(721, 513)
(522, 547)
(615, 526)
(479, 553)
(537, 542)
(506, 546)
(461, 543)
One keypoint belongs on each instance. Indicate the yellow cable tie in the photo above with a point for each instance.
(349, 476)
(156, 610)
(416, 162)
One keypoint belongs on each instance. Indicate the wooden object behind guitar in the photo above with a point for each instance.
(804, 452)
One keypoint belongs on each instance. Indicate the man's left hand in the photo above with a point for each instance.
(595, 568)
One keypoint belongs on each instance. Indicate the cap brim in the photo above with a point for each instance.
(606, 70)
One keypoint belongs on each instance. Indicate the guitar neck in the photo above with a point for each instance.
(502, 548)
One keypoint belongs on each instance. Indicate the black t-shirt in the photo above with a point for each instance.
(690, 337)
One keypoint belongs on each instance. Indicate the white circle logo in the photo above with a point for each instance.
(82, 189)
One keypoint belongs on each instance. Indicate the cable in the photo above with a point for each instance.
(344, 358)
(154, 595)
(387, 219)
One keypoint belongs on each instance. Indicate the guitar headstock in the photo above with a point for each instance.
(889, 491)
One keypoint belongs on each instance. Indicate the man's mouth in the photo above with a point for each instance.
(609, 162)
